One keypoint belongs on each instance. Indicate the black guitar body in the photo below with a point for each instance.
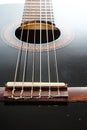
(72, 69)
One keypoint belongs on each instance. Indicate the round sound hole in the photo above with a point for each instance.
(63, 40)
(36, 33)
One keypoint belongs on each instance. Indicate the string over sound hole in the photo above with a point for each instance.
(47, 30)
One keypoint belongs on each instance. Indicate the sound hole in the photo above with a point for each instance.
(32, 32)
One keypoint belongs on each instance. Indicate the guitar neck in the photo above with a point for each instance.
(38, 10)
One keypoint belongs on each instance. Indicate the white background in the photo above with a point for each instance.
(11, 1)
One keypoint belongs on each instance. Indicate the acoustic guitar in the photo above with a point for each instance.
(42, 59)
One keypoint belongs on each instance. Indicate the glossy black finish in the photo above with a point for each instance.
(72, 66)
(72, 59)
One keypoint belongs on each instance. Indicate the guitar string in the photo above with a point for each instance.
(18, 58)
(33, 67)
(25, 63)
(40, 54)
(55, 53)
(26, 56)
(40, 50)
(48, 56)
(17, 63)
(34, 48)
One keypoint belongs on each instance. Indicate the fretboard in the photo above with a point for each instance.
(38, 10)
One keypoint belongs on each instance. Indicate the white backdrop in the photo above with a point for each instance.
(11, 1)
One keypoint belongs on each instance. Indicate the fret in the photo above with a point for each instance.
(36, 9)
(49, 18)
(37, 1)
(38, 4)
(35, 12)
(47, 5)
(33, 3)
(37, 15)
(36, 19)
(33, 9)
(30, 20)
(49, 15)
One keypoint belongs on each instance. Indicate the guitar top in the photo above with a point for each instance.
(71, 54)
(72, 58)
